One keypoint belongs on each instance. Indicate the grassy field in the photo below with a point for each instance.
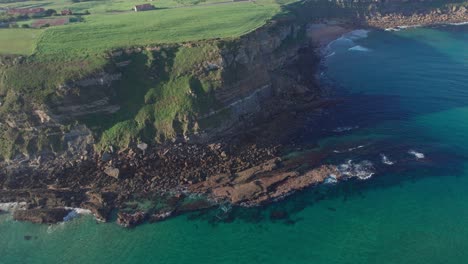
(18, 41)
(111, 25)
(107, 31)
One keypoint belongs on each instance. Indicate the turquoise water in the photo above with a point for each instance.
(401, 91)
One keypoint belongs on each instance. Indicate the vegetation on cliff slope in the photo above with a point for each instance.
(173, 72)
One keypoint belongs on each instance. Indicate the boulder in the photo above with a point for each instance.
(113, 172)
(142, 146)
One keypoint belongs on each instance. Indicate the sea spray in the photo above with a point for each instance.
(362, 170)
(416, 154)
(386, 160)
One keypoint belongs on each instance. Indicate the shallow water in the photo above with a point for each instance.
(405, 98)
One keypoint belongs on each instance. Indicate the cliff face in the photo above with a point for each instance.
(191, 92)
(59, 142)
(188, 92)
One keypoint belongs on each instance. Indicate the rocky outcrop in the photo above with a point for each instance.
(263, 183)
(267, 88)
(130, 220)
(453, 14)
(41, 216)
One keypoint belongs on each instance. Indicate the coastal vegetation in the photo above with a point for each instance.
(172, 56)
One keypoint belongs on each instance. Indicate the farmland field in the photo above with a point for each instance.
(111, 25)
(18, 41)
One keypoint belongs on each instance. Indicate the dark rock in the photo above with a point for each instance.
(41, 216)
(106, 156)
(130, 220)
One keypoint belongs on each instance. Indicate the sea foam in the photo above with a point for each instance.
(362, 170)
(418, 155)
(359, 48)
(331, 179)
(386, 160)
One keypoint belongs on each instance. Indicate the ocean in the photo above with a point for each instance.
(401, 126)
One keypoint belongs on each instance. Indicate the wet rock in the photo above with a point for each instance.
(41, 216)
(130, 220)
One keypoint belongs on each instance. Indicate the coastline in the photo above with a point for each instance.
(262, 169)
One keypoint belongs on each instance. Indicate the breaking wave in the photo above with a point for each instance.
(75, 212)
(359, 48)
(418, 155)
(459, 24)
(357, 34)
(331, 54)
(331, 179)
(348, 150)
(348, 38)
(362, 170)
(70, 216)
(386, 160)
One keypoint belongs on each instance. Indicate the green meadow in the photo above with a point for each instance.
(18, 41)
(112, 24)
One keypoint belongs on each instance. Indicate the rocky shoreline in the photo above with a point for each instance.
(154, 182)
(453, 15)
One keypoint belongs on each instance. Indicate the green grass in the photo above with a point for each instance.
(161, 92)
(18, 41)
(162, 106)
(109, 31)
(112, 24)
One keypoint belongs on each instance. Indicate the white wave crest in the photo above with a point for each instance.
(362, 170)
(386, 160)
(459, 24)
(331, 179)
(359, 48)
(331, 54)
(70, 216)
(75, 212)
(357, 34)
(79, 210)
(349, 149)
(418, 155)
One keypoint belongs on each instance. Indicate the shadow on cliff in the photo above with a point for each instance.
(367, 111)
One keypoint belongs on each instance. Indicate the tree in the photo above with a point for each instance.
(50, 12)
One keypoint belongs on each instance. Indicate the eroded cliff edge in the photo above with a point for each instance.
(181, 127)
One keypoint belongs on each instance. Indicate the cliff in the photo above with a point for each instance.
(152, 123)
